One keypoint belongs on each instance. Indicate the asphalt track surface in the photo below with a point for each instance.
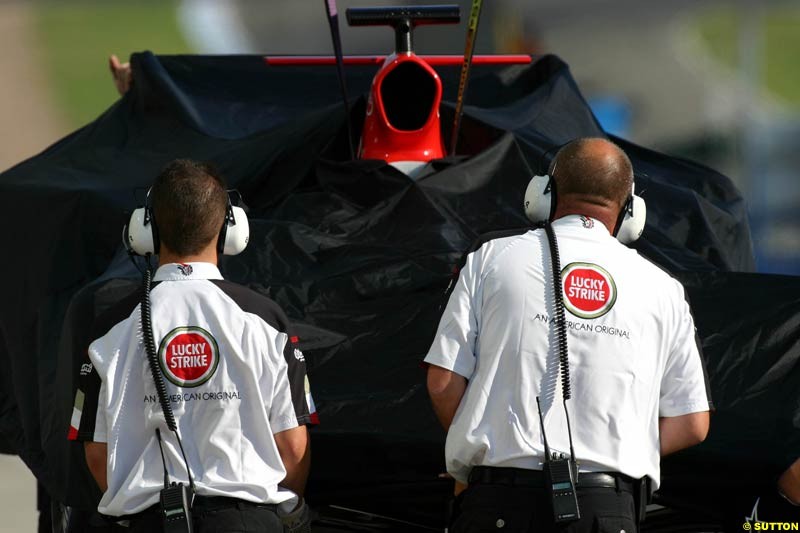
(17, 496)
(24, 99)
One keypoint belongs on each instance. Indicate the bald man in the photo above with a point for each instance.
(637, 380)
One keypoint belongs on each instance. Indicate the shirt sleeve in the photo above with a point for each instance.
(684, 388)
(282, 414)
(453, 346)
(87, 422)
(298, 380)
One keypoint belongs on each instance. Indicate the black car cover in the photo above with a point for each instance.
(358, 255)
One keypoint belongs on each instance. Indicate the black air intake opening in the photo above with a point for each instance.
(408, 93)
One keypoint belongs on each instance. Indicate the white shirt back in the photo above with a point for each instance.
(633, 356)
(226, 380)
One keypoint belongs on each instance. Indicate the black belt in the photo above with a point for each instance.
(521, 477)
(204, 504)
(212, 503)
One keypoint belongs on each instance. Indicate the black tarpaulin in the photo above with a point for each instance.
(750, 329)
(357, 253)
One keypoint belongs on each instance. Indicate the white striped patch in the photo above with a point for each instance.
(77, 411)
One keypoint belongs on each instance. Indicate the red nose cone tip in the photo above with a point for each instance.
(402, 121)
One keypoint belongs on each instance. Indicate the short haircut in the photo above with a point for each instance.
(594, 168)
(189, 201)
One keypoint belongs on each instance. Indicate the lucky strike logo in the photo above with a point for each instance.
(188, 356)
(589, 291)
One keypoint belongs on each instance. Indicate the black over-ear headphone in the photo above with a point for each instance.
(140, 235)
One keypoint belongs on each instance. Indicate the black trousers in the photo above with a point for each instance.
(215, 515)
(485, 507)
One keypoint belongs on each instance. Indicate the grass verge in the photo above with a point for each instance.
(779, 29)
(78, 37)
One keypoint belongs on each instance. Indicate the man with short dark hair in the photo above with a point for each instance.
(189, 202)
(227, 356)
(636, 378)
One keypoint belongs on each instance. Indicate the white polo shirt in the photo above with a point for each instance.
(222, 351)
(633, 354)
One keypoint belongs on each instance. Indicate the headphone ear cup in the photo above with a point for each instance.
(235, 232)
(141, 233)
(632, 220)
(540, 199)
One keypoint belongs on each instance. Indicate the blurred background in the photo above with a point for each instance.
(716, 81)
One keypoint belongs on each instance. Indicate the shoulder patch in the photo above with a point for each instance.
(589, 290)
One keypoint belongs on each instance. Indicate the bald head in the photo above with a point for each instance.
(592, 171)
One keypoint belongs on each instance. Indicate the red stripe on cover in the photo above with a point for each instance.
(73, 433)
(294, 340)
(435, 61)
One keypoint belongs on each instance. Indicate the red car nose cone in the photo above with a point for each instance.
(402, 121)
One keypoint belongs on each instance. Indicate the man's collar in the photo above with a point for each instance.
(581, 222)
(187, 271)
